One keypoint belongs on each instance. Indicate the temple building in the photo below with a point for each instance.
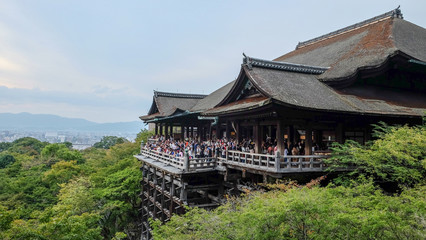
(329, 89)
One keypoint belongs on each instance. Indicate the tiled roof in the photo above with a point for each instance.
(367, 45)
(391, 14)
(165, 104)
(213, 98)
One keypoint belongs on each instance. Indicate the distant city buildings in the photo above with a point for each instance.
(79, 140)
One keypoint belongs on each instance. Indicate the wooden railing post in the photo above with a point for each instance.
(142, 145)
(277, 161)
(289, 159)
(186, 161)
(226, 154)
(311, 162)
(300, 163)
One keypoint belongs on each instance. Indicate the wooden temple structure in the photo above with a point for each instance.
(329, 89)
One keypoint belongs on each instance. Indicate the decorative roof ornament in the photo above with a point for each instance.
(292, 67)
(247, 61)
(396, 13)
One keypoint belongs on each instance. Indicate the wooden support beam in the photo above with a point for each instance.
(257, 137)
(228, 130)
(238, 133)
(280, 136)
(202, 187)
(163, 190)
(291, 135)
(172, 194)
(166, 131)
(199, 132)
(206, 205)
(192, 132)
(339, 132)
(155, 194)
(308, 140)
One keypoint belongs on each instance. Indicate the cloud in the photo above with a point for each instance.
(9, 66)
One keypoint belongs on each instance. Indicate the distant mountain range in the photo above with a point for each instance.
(47, 122)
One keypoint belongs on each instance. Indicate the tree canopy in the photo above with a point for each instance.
(398, 156)
(49, 191)
(108, 141)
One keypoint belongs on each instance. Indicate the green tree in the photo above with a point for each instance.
(53, 153)
(108, 141)
(398, 155)
(27, 145)
(4, 146)
(6, 159)
(359, 212)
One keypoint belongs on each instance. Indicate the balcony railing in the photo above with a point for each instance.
(268, 163)
(275, 163)
(184, 163)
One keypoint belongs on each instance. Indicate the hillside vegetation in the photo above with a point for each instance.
(385, 198)
(49, 191)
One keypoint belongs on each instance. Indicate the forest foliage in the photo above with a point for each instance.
(358, 204)
(50, 191)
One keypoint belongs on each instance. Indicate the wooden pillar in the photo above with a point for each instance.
(161, 129)
(199, 132)
(171, 130)
(269, 131)
(238, 132)
(215, 131)
(280, 136)
(339, 132)
(172, 194)
(219, 130)
(163, 186)
(257, 137)
(187, 131)
(291, 134)
(156, 129)
(192, 132)
(308, 140)
(228, 130)
(166, 131)
(155, 194)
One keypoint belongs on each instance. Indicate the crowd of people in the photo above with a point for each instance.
(218, 147)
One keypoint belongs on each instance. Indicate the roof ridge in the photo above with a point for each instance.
(391, 14)
(178, 95)
(293, 67)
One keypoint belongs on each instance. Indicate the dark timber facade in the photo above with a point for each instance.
(329, 89)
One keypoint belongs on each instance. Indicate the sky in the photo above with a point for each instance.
(101, 60)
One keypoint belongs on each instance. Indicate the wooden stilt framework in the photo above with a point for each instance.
(170, 184)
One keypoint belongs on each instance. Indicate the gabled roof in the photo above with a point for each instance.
(213, 98)
(365, 45)
(166, 104)
(297, 86)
